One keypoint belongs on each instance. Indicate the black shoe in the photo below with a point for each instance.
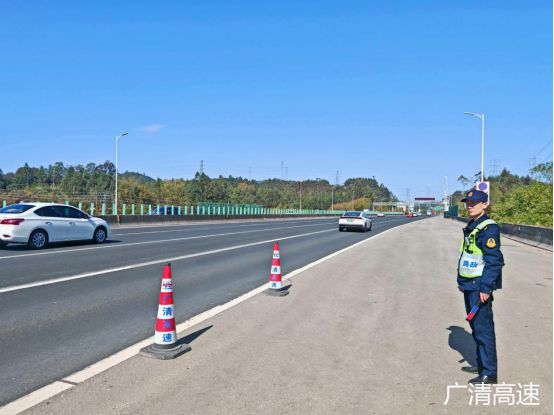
(471, 369)
(483, 379)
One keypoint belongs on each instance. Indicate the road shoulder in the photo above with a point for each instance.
(377, 329)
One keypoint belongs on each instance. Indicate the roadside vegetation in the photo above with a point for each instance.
(95, 184)
(524, 200)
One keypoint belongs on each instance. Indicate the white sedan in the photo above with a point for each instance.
(37, 224)
(355, 220)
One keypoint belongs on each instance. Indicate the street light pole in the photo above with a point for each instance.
(117, 137)
(482, 117)
(300, 194)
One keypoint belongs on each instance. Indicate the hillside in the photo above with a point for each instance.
(95, 183)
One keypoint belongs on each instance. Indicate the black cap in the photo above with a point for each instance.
(476, 196)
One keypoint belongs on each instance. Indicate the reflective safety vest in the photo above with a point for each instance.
(471, 262)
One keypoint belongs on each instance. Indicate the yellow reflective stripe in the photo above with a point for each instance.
(474, 249)
(485, 223)
(473, 237)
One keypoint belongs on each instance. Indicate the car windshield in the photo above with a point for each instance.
(19, 208)
(352, 214)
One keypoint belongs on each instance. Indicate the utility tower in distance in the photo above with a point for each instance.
(494, 166)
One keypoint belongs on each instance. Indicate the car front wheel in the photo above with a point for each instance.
(100, 235)
(38, 239)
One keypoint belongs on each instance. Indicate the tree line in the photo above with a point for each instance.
(95, 183)
(517, 199)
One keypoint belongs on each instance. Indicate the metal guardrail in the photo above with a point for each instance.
(197, 210)
(130, 213)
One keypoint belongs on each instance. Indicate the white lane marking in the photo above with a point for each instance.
(153, 242)
(145, 264)
(231, 221)
(29, 401)
(186, 228)
(49, 391)
(34, 398)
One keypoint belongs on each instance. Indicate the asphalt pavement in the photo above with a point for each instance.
(68, 306)
(377, 329)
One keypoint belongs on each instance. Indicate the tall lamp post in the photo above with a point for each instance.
(117, 137)
(300, 194)
(482, 116)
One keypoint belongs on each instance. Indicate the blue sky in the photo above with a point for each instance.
(368, 88)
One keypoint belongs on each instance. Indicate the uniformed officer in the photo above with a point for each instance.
(479, 274)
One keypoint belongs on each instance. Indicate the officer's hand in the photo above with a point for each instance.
(484, 297)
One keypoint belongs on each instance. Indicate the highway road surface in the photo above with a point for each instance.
(68, 306)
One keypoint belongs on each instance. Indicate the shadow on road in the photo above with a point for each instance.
(462, 341)
(53, 245)
(189, 338)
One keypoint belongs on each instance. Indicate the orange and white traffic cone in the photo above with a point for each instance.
(165, 336)
(275, 282)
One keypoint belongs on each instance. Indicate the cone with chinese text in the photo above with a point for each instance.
(165, 336)
(275, 281)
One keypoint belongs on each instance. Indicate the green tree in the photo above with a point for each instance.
(529, 205)
(543, 172)
(465, 182)
(23, 177)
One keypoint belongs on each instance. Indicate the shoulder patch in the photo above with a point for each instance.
(491, 243)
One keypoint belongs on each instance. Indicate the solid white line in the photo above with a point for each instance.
(54, 388)
(34, 398)
(145, 264)
(207, 222)
(130, 351)
(153, 242)
(257, 224)
(183, 228)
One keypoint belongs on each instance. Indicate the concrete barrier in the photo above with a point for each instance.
(534, 235)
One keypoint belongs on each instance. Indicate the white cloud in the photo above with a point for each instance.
(152, 129)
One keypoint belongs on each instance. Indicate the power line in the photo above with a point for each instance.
(544, 147)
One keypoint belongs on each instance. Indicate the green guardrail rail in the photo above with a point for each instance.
(203, 209)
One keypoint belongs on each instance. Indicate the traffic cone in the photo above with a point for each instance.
(275, 282)
(165, 337)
